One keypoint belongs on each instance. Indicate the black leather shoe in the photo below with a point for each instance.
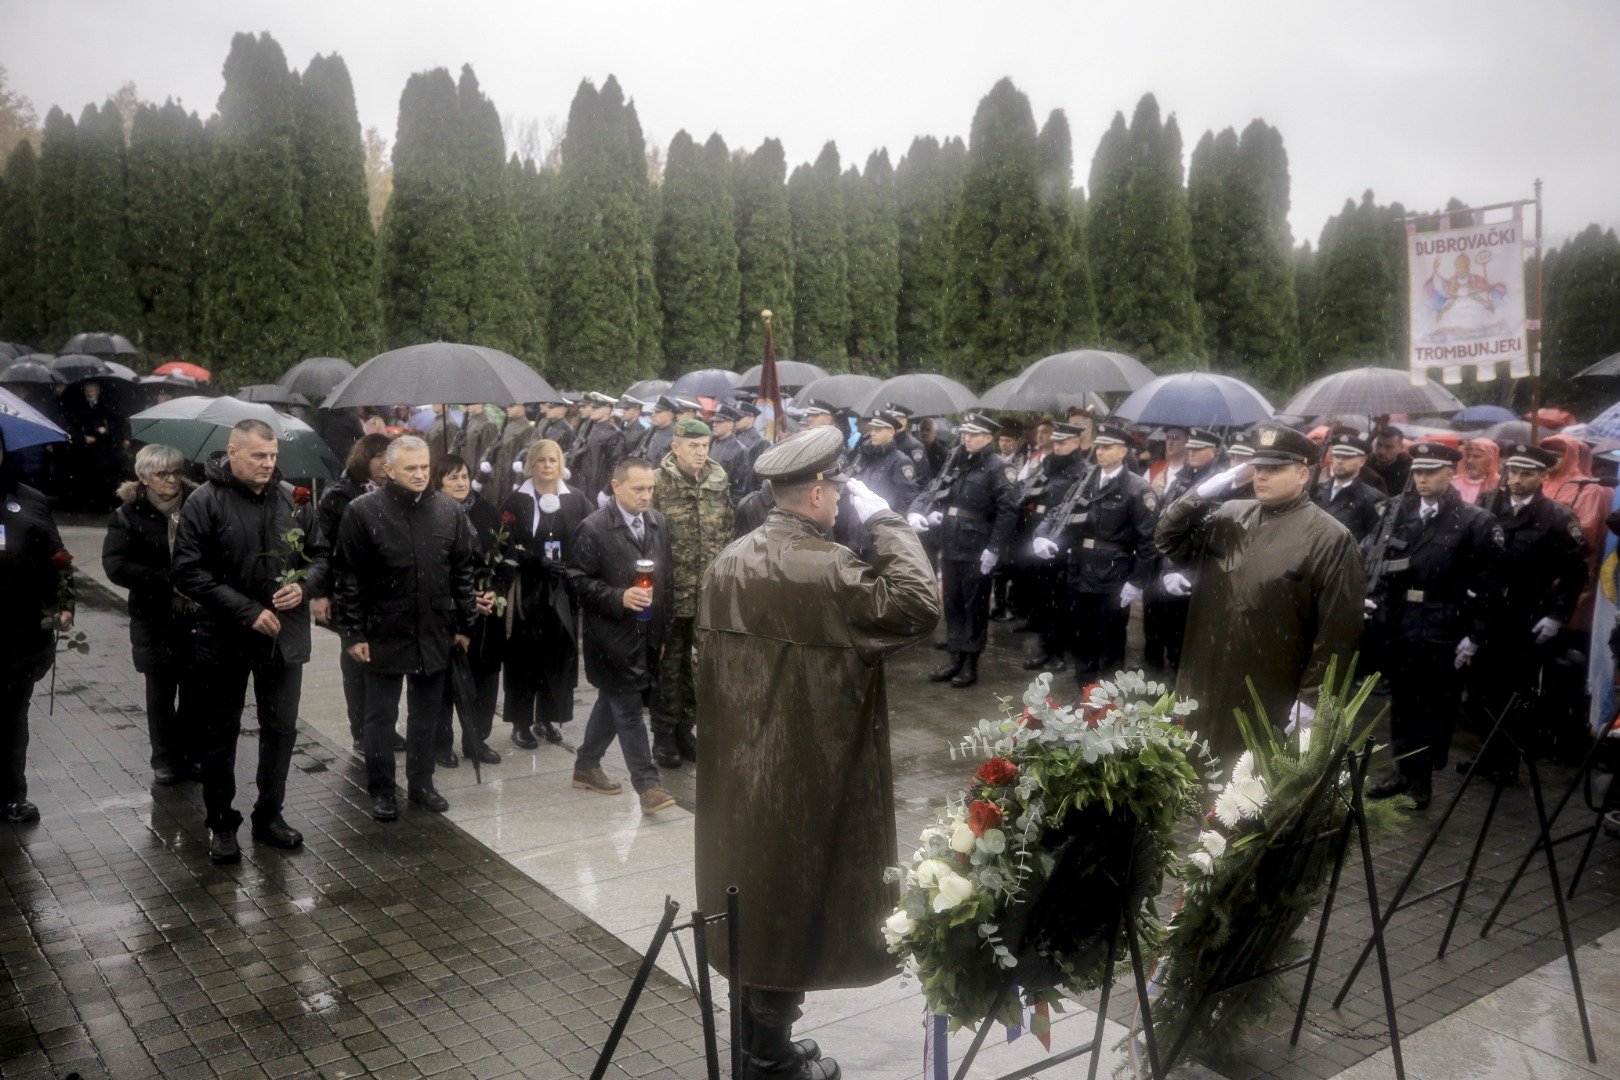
(666, 751)
(549, 732)
(1388, 786)
(524, 739)
(1421, 794)
(488, 756)
(1002, 615)
(969, 673)
(942, 645)
(191, 772)
(792, 1067)
(948, 671)
(399, 742)
(687, 743)
(429, 799)
(222, 846)
(22, 812)
(165, 775)
(384, 808)
(1039, 663)
(446, 759)
(277, 833)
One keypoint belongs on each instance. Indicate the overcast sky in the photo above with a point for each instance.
(1418, 102)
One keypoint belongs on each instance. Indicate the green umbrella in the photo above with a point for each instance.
(198, 426)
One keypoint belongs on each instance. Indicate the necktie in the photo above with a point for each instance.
(1427, 513)
(636, 529)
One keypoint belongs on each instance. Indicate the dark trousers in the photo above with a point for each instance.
(1425, 694)
(1510, 669)
(675, 707)
(1164, 627)
(14, 695)
(354, 692)
(967, 606)
(487, 685)
(618, 715)
(173, 724)
(539, 678)
(425, 705)
(1049, 609)
(277, 687)
(1097, 625)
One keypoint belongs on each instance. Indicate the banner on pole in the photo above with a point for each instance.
(1466, 287)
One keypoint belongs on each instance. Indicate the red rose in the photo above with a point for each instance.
(62, 560)
(1092, 714)
(983, 815)
(508, 518)
(300, 495)
(1030, 720)
(996, 772)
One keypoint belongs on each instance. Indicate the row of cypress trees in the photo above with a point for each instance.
(246, 241)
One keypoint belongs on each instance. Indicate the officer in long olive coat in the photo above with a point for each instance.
(795, 800)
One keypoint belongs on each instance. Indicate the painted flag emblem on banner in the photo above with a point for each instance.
(1600, 665)
(1466, 290)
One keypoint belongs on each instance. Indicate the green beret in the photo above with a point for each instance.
(692, 428)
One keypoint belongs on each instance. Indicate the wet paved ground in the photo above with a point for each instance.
(416, 949)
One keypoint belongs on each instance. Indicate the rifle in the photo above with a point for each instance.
(936, 487)
(1378, 552)
(1060, 513)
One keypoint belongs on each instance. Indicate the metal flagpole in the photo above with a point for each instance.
(1535, 350)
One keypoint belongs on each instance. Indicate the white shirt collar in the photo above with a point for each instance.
(629, 518)
(1105, 475)
(527, 487)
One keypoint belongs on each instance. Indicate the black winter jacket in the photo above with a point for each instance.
(403, 578)
(621, 651)
(135, 554)
(226, 559)
(28, 580)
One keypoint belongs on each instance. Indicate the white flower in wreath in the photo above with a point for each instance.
(953, 889)
(1304, 740)
(928, 872)
(1243, 771)
(898, 925)
(1213, 843)
(1203, 860)
(962, 838)
(1239, 801)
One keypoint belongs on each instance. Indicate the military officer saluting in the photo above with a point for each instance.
(973, 514)
(1049, 611)
(1105, 524)
(1352, 502)
(1430, 611)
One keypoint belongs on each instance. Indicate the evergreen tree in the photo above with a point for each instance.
(20, 316)
(1581, 296)
(340, 308)
(1079, 291)
(820, 261)
(501, 308)
(633, 169)
(1069, 268)
(424, 260)
(696, 245)
(1141, 253)
(928, 185)
(1003, 306)
(533, 192)
(168, 210)
(1359, 316)
(53, 269)
(764, 251)
(1305, 295)
(252, 324)
(103, 295)
(874, 267)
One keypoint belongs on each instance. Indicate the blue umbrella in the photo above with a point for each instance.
(1606, 423)
(1484, 415)
(1195, 398)
(23, 426)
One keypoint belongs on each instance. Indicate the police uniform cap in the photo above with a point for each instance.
(896, 407)
(1526, 456)
(1278, 444)
(726, 414)
(1111, 434)
(881, 420)
(1061, 431)
(560, 399)
(1433, 455)
(1202, 439)
(747, 408)
(692, 428)
(1348, 444)
(812, 454)
(977, 424)
(687, 405)
(744, 395)
(664, 404)
(596, 399)
(1242, 445)
(628, 402)
(816, 408)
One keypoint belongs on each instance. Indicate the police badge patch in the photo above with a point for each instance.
(908, 472)
(1011, 473)
(1150, 500)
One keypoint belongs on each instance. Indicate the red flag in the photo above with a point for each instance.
(769, 389)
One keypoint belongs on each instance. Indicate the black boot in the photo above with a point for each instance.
(969, 673)
(666, 750)
(772, 1055)
(1389, 784)
(949, 670)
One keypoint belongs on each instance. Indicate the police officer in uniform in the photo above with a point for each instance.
(973, 515)
(909, 444)
(1111, 557)
(1430, 613)
(1240, 452)
(1044, 489)
(727, 451)
(1351, 501)
(881, 466)
(554, 424)
(1164, 607)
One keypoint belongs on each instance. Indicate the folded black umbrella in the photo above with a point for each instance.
(464, 692)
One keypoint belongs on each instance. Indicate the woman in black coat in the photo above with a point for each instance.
(162, 624)
(453, 479)
(542, 655)
(362, 472)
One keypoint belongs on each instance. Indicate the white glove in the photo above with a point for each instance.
(1301, 715)
(918, 522)
(1129, 595)
(1218, 483)
(865, 501)
(1176, 584)
(987, 561)
(937, 517)
(1044, 548)
(1546, 630)
(485, 468)
(1465, 652)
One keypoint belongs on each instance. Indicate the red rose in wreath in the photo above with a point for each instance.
(997, 772)
(301, 496)
(982, 816)
(1092, 714)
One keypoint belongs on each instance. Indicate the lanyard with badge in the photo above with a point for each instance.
(12, 507)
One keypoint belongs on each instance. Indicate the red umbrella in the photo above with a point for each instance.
(1549, 417)
(182, 367)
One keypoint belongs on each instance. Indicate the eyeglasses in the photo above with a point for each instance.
(167, 474)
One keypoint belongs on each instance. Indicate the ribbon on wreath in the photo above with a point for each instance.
(936, 1053)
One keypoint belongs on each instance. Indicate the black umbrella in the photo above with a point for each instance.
(996, 398)
(30, 372)
(464, 692)
(648, 389)
(441, 372)
(270, 394)
(1053, 383)
(76, 366)
(101, 344)
(1605, 373)
(1372, 390)
(12, 351)
(790, 374)
(707, 382)
(924, 395)
(316, 377)
(837, 391)
(29, 358)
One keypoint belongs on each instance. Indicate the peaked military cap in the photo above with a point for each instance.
(664, 404)
(747, 408)
(1433, 455)
(881, 420)
(816, 408)
(1202, 439)
(1111, 434)
(1242, 446)
(812, 454)
(683, 404)
(1278, 444)
(977, 424)
(1061, 431)
(628, 402)
(596, 400)
(744, 395)
(1348, 444)
(692, 428)
(896, 407)
(1525, 456)
(725, 414)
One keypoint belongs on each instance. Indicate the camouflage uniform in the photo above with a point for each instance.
(700, 526)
